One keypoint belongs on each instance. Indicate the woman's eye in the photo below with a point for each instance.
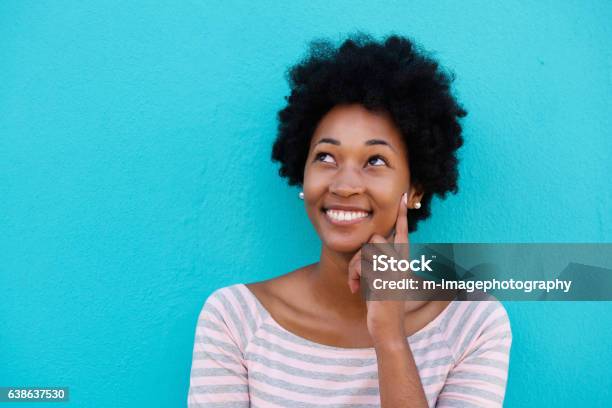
(377, 161)
(326, 156)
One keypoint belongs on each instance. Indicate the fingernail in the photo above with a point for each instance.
(405, 199)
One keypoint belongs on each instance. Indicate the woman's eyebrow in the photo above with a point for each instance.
(379, 142)
(370, 142)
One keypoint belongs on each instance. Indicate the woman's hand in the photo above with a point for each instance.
(385, 318)
(398, 375)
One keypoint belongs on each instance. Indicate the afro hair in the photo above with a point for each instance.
(392, 76)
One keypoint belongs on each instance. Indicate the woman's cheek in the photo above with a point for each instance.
(387, 217)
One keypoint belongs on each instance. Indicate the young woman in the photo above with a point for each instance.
(370, 132)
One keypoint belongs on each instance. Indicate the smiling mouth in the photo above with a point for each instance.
(345, 217)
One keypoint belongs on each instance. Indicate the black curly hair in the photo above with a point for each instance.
(392, 76)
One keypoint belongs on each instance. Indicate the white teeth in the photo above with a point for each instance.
(346, 215)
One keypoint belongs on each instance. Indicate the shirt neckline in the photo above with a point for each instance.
(312, 343)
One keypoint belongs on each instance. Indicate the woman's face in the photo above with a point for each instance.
(355, 175)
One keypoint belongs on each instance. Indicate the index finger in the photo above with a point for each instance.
(401, 225)
(354, 272)
(401, 229)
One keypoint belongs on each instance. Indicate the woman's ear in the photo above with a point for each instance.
(415, 196)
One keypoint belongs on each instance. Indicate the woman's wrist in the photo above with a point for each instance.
(396, 342)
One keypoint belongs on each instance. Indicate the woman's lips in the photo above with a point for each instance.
(346, 217)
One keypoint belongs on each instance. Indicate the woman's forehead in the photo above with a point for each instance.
(354, 125)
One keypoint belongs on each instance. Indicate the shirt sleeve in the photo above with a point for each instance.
(218, 372)
(479, 376)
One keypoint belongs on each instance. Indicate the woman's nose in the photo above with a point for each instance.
(346, 182)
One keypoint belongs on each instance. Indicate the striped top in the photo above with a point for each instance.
(242, 357)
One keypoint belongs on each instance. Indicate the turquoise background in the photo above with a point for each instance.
(135, 175)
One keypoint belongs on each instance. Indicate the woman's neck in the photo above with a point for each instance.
(329, 284)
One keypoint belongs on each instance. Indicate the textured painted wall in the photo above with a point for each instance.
(135, 175)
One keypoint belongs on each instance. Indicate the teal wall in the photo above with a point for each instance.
(135, 175)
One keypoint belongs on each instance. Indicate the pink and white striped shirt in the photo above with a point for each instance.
(243, 358)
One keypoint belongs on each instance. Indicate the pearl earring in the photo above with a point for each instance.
(417, 205)
(301, 195)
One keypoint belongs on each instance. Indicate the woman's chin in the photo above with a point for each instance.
(345, 245)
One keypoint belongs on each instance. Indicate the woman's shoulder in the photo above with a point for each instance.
(233, 309)
(475, 321)
(235, 299)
